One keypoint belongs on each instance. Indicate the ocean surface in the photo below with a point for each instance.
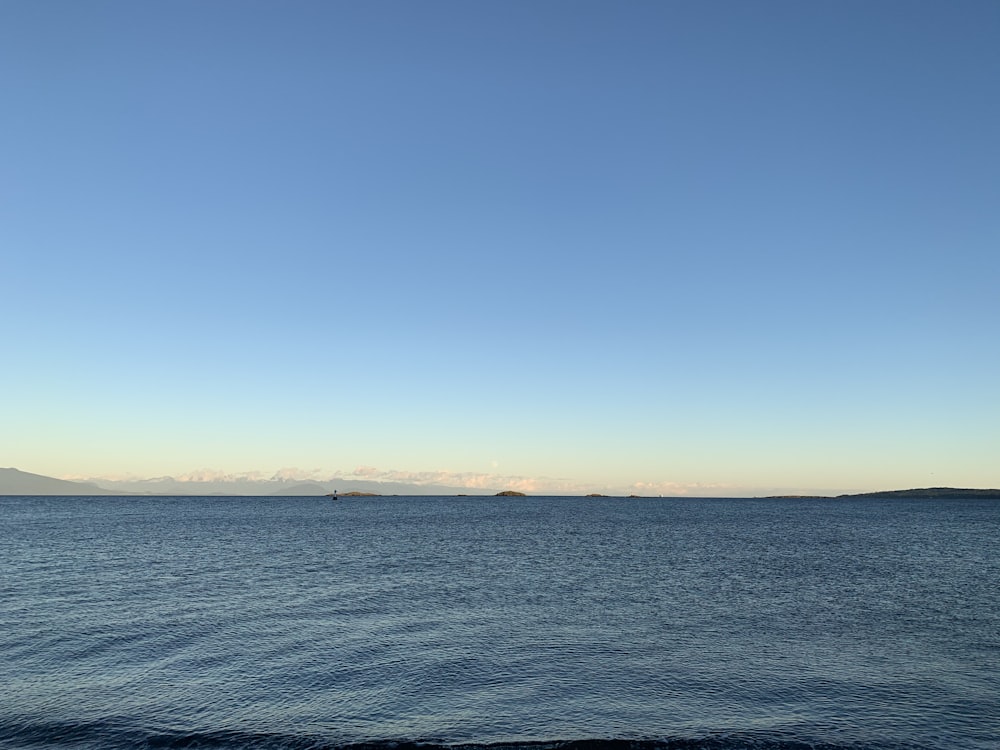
(209, 622)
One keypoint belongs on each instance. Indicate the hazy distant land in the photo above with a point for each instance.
(927, 493)
(932, 493)
(16, 482)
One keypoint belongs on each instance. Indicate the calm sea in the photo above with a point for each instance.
(655, 623)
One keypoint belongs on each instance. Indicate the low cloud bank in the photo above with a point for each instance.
(207, 481)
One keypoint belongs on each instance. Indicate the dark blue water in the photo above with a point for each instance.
(312, 623)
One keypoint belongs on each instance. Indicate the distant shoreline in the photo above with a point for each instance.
(16, 483)
(930, 493)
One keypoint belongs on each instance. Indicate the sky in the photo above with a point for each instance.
(705, 247)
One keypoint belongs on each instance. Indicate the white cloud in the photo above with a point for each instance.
(475, 481)
(215, 475)
(295, 474)
(466, 480)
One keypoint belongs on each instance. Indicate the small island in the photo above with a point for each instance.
(510, 493)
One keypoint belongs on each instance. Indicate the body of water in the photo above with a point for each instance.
(133, 622)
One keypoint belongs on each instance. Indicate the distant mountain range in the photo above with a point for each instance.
(16, 482)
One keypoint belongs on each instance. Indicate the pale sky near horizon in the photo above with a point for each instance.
(709, 247)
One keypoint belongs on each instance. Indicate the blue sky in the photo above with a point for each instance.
(699, 247)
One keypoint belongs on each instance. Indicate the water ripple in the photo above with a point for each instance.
(475, 623)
